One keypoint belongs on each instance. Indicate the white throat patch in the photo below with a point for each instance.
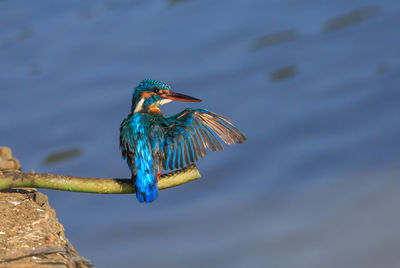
(139, 106)
(163, 101)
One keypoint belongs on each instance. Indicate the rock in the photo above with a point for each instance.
(5, 153)
(7, 161)
(30, 234)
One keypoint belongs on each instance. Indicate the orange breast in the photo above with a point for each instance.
(154, 110)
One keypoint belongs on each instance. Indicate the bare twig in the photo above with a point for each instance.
(13, 178)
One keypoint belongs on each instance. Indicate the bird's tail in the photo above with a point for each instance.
(149, 194)
(146, 187)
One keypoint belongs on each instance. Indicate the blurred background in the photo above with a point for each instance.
(314, 85)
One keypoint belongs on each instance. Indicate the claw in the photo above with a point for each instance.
(159, 174)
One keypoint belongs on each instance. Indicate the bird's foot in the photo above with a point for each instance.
(159, 175)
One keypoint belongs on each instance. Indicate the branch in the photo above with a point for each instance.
(13, 178)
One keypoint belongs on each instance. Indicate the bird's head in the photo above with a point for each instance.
(150, 94)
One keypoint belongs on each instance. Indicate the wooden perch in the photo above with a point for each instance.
(15, 178)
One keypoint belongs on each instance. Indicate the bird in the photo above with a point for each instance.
(150, 142)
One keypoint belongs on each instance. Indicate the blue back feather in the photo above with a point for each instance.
(138, 146)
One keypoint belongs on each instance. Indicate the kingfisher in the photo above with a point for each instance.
(150, 142)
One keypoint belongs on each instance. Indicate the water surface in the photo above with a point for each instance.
(313, 85)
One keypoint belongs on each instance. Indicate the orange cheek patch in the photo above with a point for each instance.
(147, 94)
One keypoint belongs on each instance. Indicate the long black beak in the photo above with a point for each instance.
(179, 97)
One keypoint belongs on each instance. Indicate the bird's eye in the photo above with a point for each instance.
(156, 90)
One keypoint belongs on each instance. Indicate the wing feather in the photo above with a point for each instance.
(191, 132)
(186, 152)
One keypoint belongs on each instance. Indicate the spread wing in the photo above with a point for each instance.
(190, 132)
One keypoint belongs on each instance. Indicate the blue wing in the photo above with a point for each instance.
(190, 132)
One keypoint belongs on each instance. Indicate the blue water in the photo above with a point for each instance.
(315, 185)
